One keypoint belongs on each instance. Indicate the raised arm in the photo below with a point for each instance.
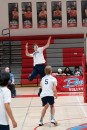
(48, 43)
(26, 51)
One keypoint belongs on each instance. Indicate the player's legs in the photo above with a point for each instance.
(4, 127)
(42, 72)
(13, 91)
(40, 69)
(52, 108)
(33, 74)
(43, 114)
(52, 111)
(44, 111)
(45, 107)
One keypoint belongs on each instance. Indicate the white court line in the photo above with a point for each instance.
(81, 106)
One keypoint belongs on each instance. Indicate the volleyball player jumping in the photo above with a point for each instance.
(38, 59)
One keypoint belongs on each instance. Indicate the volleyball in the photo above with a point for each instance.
(59, 70)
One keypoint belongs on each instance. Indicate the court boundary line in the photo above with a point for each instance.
(59, 94)
(80, 104)
(60, 120)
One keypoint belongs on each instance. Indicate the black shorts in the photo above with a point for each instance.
(4, 127)
(47, 99)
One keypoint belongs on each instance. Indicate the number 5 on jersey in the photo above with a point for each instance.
(46, 81)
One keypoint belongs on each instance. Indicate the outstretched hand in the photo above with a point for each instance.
(49, 38)
(26, 45)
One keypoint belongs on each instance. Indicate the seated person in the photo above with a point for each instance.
(11, 84)
(67, 71)
(77, 72)
(59, 73)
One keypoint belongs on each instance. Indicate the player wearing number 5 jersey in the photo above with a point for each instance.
(48, 85)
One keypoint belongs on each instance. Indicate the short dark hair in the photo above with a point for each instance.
(35, 44)
(4, 78)
(76, 67)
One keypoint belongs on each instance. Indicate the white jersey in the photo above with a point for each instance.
(38, 56)
(5, 97)
(47, 83)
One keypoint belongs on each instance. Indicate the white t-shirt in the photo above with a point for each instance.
(38, 56)
(77, 73)
(47, 83)
(5, 97)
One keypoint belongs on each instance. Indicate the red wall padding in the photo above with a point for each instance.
(73, 50)
(72, 56)
(39, 37)
(76, 63)
(26, 70)
(26, 81)
(66, 55)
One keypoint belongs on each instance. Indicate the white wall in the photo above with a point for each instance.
(4, 23)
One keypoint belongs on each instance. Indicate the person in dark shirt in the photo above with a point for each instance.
(67, 71)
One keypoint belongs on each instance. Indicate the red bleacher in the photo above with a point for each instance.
(73, 57)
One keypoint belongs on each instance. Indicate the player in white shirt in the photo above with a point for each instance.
(49, 92)
(38, 60)
(5, 100)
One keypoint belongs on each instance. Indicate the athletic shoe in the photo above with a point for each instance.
(40, 123)
(13, 96)
(54, 122)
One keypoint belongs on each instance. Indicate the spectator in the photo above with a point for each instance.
(77, 72)
(5, 99)
(67, 71)
(11, 84)
(59, 73)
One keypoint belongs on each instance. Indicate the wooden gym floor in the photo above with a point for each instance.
(70, 111)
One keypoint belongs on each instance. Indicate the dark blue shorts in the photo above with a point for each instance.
(47, 99)
(4, 127)
(38, 69)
